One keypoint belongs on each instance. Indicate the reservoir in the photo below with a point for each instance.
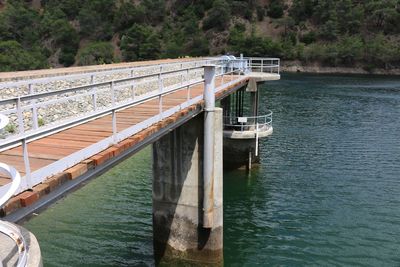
(327, 191)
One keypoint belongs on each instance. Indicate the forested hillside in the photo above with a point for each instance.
(53, 33)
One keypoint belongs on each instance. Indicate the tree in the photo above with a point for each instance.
(302, 10)
(140, 42)
(96, 18)
(67, 38)
(218, 17)
(128, 14)
(275, 9)
(14, 57)
(350, 50)
(96, 53)
(20, 23)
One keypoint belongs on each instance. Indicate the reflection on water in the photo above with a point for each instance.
(326, 193)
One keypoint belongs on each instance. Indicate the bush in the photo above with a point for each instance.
(96, 53)
(218, 17)
(140, 42)
(350, 50)
(309, 37)
(14, 57)
(275, 9)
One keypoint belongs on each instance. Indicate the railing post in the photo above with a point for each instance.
(27, 165)
(181, 73)
(208, 153)
(112, 93)
(188, 93)
(94, 99)
(272, 66)
(279, 66)
(160, 89)
(34, 109)
(133, 86)
(114, 125)
(222, 71)
(114, 113)
(21, 126)
(94, 94)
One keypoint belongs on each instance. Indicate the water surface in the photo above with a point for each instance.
(327, 192)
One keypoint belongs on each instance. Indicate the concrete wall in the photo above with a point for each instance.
(178, 196)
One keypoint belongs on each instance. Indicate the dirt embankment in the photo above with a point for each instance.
(297, 66)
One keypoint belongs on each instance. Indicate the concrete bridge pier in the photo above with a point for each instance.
(187, 191)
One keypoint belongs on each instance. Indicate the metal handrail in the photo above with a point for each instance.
(250, 123)
(6, 228)
(270, 65)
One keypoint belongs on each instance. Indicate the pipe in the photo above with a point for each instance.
(208, 151)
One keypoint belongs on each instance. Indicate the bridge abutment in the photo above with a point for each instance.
(180, 232)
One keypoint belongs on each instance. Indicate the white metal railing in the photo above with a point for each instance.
(253, 125)
(242, 124)
(21, 104)
(268, 65)
(8, 229)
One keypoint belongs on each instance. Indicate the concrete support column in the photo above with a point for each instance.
(178, 195)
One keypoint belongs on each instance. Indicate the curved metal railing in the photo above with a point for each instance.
(6, 228)
(255, 123)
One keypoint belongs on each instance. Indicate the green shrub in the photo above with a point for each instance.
(96, 53)
(218, 17)
(275, 9)
(140, 42)
(14, 57)
(309, 37)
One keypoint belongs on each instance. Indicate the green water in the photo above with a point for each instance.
(327, 192)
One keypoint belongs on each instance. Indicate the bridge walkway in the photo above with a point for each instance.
(119, 117)
(49, 149)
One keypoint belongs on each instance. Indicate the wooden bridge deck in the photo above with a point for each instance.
(52, 148)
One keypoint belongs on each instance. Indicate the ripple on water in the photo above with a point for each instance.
(326, 193)
(327, 190)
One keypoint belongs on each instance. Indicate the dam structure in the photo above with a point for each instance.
(67, 126)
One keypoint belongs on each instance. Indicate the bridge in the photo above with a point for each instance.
(60, 130)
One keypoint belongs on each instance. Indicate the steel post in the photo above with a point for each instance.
(34, 109)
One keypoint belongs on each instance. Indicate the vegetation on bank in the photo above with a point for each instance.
(52, 33)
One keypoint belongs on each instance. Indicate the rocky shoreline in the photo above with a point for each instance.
(297, 66)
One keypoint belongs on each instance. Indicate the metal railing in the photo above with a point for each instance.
(268, 65)
(6, 228)
(21, 104)
(242, 124)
